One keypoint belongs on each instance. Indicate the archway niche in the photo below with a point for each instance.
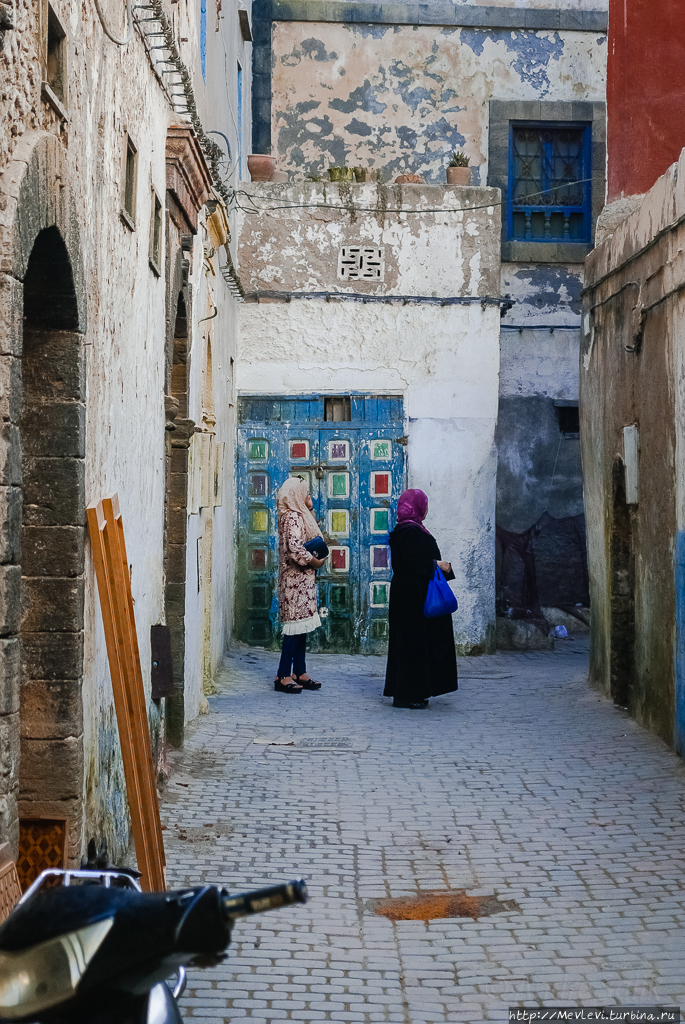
(179, 431)
(207, 515)
(52, 432)
(622, 594)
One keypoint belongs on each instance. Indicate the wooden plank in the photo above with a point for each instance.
(116, 601)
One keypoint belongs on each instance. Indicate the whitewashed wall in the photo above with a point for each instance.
(443, 360)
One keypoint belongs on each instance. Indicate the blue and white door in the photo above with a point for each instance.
(351, 451)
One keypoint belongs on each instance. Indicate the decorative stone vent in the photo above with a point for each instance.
(361, 263)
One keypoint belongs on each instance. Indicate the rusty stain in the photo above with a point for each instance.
(428, 906)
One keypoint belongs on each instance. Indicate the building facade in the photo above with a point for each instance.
(520, 90)
(118, 335)
(369, 351)
(632, 415)
(631, 379)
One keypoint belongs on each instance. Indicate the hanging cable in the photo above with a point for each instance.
(106, 29)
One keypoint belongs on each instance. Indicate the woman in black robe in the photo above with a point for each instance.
(422, 660)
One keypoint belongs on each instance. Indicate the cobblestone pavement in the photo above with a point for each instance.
(524, 784)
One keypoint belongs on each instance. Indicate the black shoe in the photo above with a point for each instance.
(414, 705)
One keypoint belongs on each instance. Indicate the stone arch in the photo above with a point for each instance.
(42, 501)
(179, 431)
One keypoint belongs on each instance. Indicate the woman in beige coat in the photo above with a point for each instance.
(297, 597)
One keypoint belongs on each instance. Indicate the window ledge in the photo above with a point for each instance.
(49, 96)
(545, 252)
(127, 219)
(154, 267)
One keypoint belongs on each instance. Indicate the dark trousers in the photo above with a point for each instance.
(293, 656)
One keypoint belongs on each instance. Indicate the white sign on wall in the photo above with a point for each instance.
(630, 446)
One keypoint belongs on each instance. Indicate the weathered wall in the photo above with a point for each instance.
(400, 98)
(644, 95)
(631, 373)
(112, 91)
(443, 359)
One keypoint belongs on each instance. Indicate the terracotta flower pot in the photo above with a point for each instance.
(261, 166)
(458, 175)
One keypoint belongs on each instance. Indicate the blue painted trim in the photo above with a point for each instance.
(203, 38)
(459, 15)
(679, 717)
(584, 171)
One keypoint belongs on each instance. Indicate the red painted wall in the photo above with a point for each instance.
(645, 92)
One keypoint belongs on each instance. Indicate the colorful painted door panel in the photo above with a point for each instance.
(351, 452)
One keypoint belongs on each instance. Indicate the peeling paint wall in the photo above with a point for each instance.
(400, 98)
(631, 374)
(443, 359)
(564, 5)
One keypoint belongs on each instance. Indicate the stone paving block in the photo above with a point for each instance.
(583, 833)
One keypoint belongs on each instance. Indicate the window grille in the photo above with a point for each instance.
(361, 263)
(550, 196)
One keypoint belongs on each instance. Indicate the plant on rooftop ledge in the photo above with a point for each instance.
(341, 174)
(458, 170)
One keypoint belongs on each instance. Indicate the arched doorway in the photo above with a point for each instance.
(207, 516)
(622, 593)
(179, 431)
(42, 500)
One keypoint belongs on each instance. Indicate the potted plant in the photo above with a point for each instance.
(363, 174)
(458, 170)
(261, 166)
(341, 174)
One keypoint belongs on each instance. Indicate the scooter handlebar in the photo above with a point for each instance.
(270, 898)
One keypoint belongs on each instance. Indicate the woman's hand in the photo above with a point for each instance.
(445, 566)
(316, 563)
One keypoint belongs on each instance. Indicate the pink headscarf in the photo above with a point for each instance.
(412, 508)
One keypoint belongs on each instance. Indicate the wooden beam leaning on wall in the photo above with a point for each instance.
(114, 587)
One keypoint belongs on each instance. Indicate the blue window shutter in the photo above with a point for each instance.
(550, 196)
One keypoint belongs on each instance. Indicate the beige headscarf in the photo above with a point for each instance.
(291, 498)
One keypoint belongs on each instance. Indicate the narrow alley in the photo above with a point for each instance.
(526, 788)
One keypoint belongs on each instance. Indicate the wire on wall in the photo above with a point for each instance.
(179, 87)
(106, 29)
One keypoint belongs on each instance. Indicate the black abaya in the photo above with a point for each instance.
(422, 660)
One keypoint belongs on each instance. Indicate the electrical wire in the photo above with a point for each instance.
(105, 28)
(383, 210)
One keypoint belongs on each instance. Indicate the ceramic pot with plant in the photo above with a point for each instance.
(261, 166)
(458, 170)
(341, 174)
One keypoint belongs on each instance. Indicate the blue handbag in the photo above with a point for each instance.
(318, 547)
(439, 600)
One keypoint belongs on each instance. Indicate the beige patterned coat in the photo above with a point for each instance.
(297, 597)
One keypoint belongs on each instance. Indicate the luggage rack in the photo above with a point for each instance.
(121, 879)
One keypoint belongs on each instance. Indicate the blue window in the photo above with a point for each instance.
(550, 196)
(203, 37)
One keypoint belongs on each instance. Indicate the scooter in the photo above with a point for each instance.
(87, 946)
